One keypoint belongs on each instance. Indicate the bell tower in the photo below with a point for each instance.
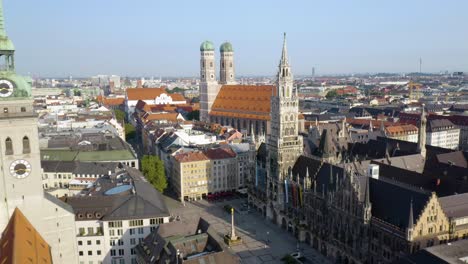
(208, 84)
(226, 64)
(20, 160)
(284, 143)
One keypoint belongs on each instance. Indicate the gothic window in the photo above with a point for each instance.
(204, 64)
(222, 65)
(211, 64)
(230, 65)
(26, 145)
(8, 146)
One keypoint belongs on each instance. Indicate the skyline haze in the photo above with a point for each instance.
(61, 38)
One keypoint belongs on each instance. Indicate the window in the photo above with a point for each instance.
(120, 242)
(112, 252)
(5, 110)
(80, 243)
(23, 109)
(90, 230)
(140, 230)
(133, 251)
(119, 232)
(89, 242)
(132, 231)
(121, 252)
(8, 146)
(80, 253)
(115, 224)
(132, 241)
(112, 242)
(136, 222)
(111, 232)
(98, 242)
(98, 252)
(90, 253)
(121, 261)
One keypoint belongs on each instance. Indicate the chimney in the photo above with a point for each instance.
(373, 171)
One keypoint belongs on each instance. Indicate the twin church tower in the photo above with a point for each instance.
(209, 85)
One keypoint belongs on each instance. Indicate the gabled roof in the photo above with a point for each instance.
(391, 202)
(22, 243)
(150, 94)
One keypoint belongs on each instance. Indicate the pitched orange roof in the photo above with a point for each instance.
(190, 156)
(244, 101)
(113, 101)
(144, 93)
(162, 116)
(21, 243)
(151, 94)
(401, 130)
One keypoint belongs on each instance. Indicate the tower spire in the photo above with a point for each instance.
(2, 21)
(284, 54)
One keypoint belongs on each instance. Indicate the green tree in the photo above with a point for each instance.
(153, 169)
(194, 115)
(331, 94)
(130, 131)
(119, 115)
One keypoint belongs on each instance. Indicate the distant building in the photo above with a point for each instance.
(152, 96)
(442, 133)
(115, 214)
(402, 132)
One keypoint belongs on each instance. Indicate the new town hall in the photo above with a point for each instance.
(374, 202)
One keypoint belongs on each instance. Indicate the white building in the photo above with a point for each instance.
(114, 215)
(151, 96)
(442, 133)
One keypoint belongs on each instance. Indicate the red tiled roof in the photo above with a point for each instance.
(151, 94)
(190, 156)
(220, 153)
(244, 101)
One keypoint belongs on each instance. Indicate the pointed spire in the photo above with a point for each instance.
(366, 194)
(2, 21)
(284, 54)
(410, 218)
(252, 134)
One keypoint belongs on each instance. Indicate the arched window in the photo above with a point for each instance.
(8, 146)
(26, 146)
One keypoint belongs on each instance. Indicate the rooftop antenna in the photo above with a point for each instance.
(420, 65)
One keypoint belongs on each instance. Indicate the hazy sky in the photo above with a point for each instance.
(162, 37)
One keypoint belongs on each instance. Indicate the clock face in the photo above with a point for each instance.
(6, 88)
(20, 169)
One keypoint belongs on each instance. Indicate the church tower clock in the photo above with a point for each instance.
(20, 162)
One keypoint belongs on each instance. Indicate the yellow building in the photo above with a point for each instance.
(191, 172)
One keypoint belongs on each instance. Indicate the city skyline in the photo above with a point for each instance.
(147, 40)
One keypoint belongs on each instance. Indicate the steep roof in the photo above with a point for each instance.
(220, 153)
(244, 101)
(22, 243)
(190, 156)
(391, 202)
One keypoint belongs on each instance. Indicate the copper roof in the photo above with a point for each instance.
(21, 243)
(244, 101)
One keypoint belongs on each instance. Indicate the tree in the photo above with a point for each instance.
(76, 92)
(119, 115)
(130, 131)
(194, 115)
(331, 94)
(153, 169)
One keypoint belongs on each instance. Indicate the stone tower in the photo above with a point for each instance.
(284, 145)
(422, 132)
(226, 68)
(209, 87)
(20, 173)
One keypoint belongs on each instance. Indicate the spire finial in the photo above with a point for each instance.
(2, 21)
(410, 218)
(284, 55)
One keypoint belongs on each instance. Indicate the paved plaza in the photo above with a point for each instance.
(262, 241)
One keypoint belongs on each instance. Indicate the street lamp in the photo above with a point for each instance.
(268, 237)
(177, 257)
